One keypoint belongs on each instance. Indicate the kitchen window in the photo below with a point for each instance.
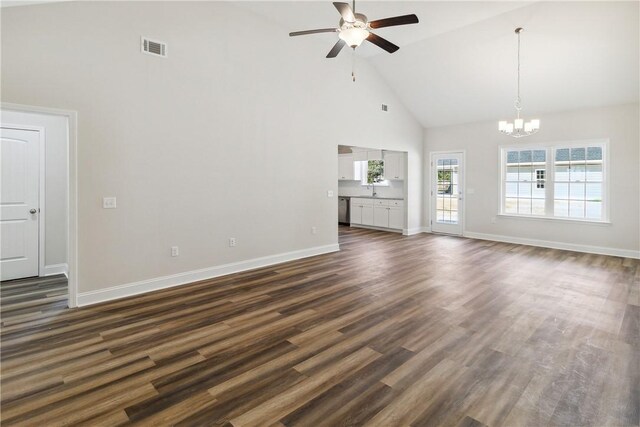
(565, 181)
(370, 172)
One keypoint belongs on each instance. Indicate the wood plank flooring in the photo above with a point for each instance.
(391, 331)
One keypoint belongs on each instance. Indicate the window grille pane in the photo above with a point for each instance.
(576, 209)
(512, 157)
(524, 189)
(561, 191)
(511, 205)
(576, 191)
(562, 155)
(594, 210)
(524, 206)
(594, 153)
(561, 208)
(577, 154)
(539, 156)
(562, 172)
(538, 191)
(512, 173)
(594, 172)
(525, 173)
(578, 172)
(511, 189)
(594, 192)
(537, 207)
(525, 157)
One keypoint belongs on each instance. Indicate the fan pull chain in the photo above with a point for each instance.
(353, 65)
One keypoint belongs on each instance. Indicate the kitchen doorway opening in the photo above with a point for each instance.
(372, 188)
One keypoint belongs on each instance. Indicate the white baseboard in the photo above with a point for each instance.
(625, 253)
(50, 270)
(417, 230)
(136, 288)
(371, 227)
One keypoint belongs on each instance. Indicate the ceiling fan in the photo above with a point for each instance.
(354, 28)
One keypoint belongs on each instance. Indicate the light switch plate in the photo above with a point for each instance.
(330, 193)
(108, 202)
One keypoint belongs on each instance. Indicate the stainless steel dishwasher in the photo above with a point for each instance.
(343, 211)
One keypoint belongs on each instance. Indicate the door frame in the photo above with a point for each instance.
(72, 190)
(41, 188)
(463, 221)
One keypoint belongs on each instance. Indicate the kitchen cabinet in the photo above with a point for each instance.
(381, 216)
(394, 166)
(381, 213)
(355, 212)
(345, 167)
(367, 215)
(360, 156)
(396, 219)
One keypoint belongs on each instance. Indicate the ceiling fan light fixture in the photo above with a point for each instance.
(353, 36)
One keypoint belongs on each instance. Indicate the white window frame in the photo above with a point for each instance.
(550, 148)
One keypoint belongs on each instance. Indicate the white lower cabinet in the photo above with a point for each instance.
(367, 215)
(356, 213)
(396, 219)
(381, 213)
(381, 216)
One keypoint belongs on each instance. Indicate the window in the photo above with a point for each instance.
(524, 168)
(539, 178)
(447, 197)
(576, 176)
(578, 182)
(370, 172)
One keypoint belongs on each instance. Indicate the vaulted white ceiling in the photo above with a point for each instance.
(458, 65)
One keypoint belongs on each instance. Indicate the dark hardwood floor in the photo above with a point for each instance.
(391, 331)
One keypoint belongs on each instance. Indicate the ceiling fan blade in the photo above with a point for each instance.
(345, 11)
(304, 33)
(382, 43)
(335, 50)
(396, 20)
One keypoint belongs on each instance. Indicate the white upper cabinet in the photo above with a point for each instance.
(360, 156)
(345, 167)
(394, 166)
(374, 155)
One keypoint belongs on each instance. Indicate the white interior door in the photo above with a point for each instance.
(447, 181)
(19, 202)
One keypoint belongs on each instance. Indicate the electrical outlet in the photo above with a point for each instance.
(314, 230)
(175, 251)
(108, 202)
(232, 242)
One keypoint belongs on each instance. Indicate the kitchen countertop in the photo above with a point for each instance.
(371, 197)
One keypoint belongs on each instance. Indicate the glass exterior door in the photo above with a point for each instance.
(447, 193)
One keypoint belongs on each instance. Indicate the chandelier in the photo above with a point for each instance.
(519, 128)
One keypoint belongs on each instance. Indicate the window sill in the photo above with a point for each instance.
(558, 219)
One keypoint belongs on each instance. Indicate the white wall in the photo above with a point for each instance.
(481, 141)
(234, 134)
(56, 180)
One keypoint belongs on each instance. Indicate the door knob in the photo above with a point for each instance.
(32, 211)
